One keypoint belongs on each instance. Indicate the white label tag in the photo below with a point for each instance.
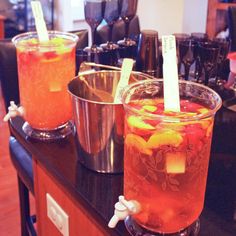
(39, 21)
(170, 74)
(126, 70)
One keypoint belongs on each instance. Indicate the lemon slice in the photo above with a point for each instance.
(136, 122)
(202, 110)
(150, 108)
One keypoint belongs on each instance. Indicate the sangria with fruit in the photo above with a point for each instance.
(44, 70)
(167, 154)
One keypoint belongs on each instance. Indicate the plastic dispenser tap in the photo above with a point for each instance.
(13, 111)
(123, 208)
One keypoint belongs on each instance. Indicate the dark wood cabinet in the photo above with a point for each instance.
(2, 18)
(217, 17)
(80, 221)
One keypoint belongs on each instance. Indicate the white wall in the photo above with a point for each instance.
(195, 16)
(69, 15)
(63, 20)
(173, 16)
(165, 16)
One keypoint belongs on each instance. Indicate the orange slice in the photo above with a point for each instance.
(205, 123)
(55, 86)
(175, 163)
(186, 114)
(209, 129)
(165, 137)
(178, 126)
(137, 142)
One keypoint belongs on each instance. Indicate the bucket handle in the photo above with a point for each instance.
(85, 63)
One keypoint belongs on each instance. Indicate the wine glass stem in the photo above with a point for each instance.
(110, 32)
(94, 36)
(219, 70)
(186, 68)
(207, 74)
(127, 29)
(197, 72)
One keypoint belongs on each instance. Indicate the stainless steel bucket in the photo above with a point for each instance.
(99, 122)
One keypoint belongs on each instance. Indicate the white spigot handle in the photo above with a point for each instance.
(123, 208)
(113, 221)
(13, 111)
(128, 204)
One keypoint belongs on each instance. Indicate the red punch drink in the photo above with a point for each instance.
(167, 154)
(44, 70)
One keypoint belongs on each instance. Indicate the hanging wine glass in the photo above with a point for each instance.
(179, 38)
(187, 55)
(208, 54)
(128, 10)
(223, 52)
(93, 12)
(199, 38)
(111, 15)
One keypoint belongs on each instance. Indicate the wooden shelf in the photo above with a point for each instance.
(224, 6)
(217, 17)
(2, 18)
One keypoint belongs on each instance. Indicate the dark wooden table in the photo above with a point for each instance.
(99, 192)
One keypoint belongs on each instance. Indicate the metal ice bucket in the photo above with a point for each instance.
(99, 122)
